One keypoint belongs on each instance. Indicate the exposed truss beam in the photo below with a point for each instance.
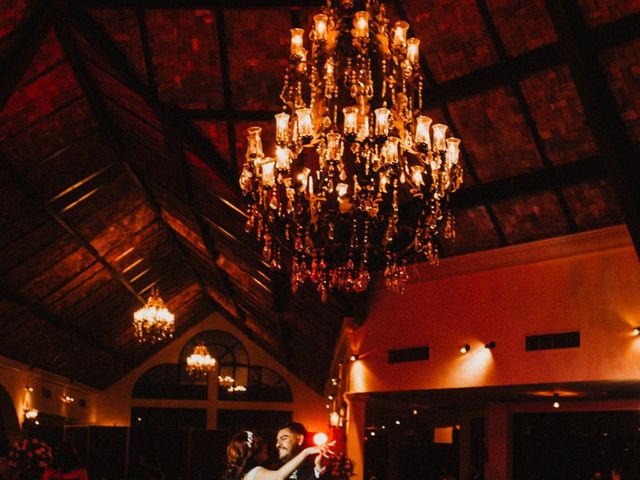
(92, 31)
(32, 195)
(100, 111)
(201, 4)
(530, 183)
(621, 157)
(11, 78)
(70, 331)
(524, 108)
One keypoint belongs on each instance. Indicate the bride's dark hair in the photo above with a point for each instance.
(241, 453)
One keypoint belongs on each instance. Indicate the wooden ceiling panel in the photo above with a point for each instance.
(49, 54)
(474, 231)
(495, 134)
(124, 96)
(621, 68)
(38, 98)
(559, 116)
(186, 232)
(523, 26)
(186, 60)
(593, 204)
(111, 198)
(22, 209)
(256, 74)
(597, 13)
(454, 37)
(40, 141)
(67, 295)
(122, 27)
(206, 181)
(35, 252)
(12, 15)
(532, 217)
(217, 133)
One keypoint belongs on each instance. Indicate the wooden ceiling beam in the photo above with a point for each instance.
(556, 177)
(68, 330)
(24, 55)
(100, 111)
(621, 156)
(41, 203)
(202, 4)
(524, 108)
(94, 34)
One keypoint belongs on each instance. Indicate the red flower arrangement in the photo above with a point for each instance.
(30, 455)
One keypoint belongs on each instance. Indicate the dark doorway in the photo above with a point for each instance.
(574, 445)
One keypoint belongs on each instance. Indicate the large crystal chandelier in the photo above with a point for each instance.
(382, 174)
(200, 362)
(153, 322)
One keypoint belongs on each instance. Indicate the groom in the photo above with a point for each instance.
(290, 440)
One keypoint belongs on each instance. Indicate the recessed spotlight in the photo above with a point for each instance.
(556, 400)
(397, 422)
(415, 412)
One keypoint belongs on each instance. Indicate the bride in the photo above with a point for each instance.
(247, 451)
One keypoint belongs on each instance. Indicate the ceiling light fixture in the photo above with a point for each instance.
(153, 322)
(465, 348)
(200, 362)
(556, 400)
(355, 98)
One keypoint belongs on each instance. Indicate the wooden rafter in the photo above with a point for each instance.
(621, 157)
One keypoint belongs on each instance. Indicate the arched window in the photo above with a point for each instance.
(229, 352)
(169, 380)
(263, 384)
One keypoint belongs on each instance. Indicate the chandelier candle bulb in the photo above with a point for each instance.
(254, 142)
(453, 150)
(361, 24)
(282, 158)
(282, 127)
(413, 50)
(297, 50)
(305, 125)
(439, 132)
(350, 122)
(320, 30)
(382, 121)
(400, 34)
(422, 137)
(268, 174)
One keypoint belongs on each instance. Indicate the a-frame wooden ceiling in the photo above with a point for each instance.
(122, 133)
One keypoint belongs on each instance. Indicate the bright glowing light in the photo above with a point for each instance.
(320, 438)
(636, 331)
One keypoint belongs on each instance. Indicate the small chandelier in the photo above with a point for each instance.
(356, 100)
(153, 322)
(200, 362)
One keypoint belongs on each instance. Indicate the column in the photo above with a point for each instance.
(356, 418)
(498, 442)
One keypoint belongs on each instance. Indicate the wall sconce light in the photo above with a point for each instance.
(335, 381)
(491, 345)
(556, 400)
(465, 348)
(28, 388)
(334, 419)
(65, 398)
(330, 397)
(30, 413)
(353, 358)
(636, 331)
